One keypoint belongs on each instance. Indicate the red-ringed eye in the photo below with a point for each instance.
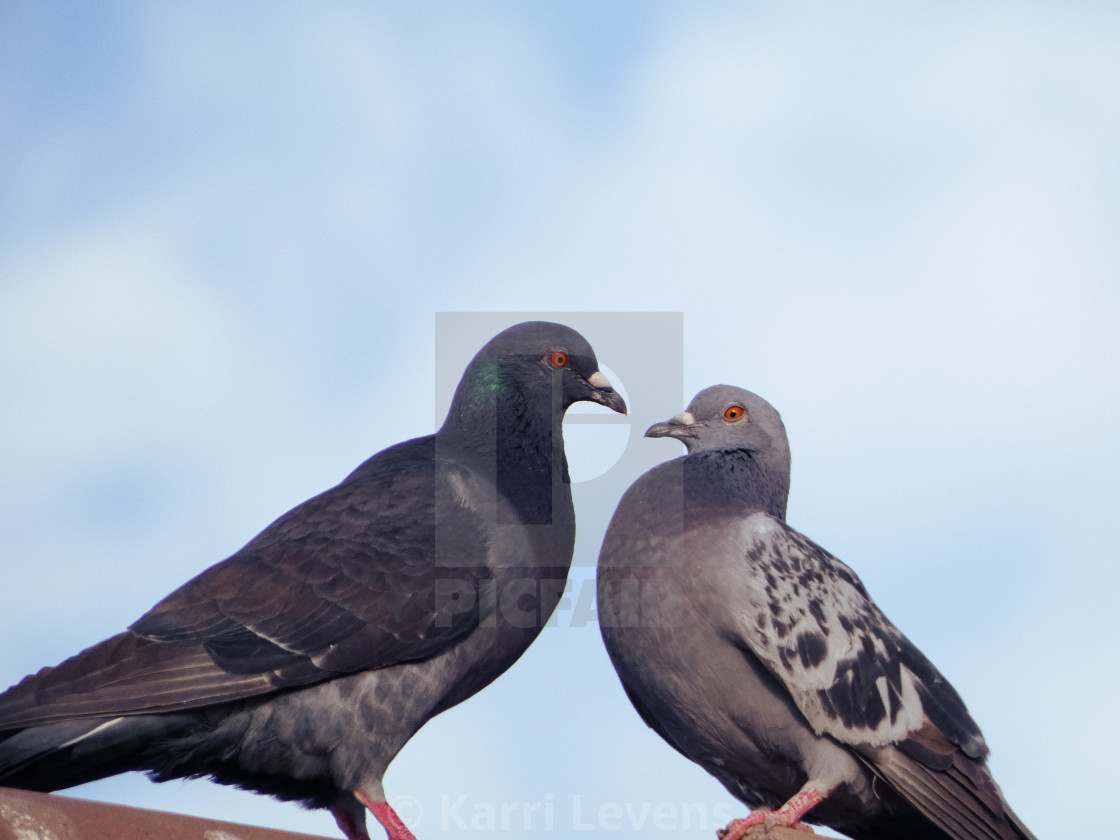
(558, 359)
(733, 413)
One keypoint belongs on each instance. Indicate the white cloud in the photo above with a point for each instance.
(111, 339)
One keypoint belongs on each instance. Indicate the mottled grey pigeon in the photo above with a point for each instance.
(301, 665)
(761, 657)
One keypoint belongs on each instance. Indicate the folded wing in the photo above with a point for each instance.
(350, 580)
(857, 678)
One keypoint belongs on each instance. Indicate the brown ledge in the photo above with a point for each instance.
(42, 816)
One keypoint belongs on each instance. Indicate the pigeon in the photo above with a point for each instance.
(761, 657)
(299, 666)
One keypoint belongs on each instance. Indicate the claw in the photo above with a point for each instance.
(788, 816)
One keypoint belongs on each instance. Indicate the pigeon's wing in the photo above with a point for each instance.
(370, 573)
(807, 616)
(381, 569)
(856, 677)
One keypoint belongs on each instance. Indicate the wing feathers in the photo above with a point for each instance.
(851, 672)
(124, 675)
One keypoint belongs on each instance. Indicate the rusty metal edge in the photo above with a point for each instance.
(25, 815)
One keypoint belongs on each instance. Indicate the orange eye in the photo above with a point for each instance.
(733, 413)
(558, 359)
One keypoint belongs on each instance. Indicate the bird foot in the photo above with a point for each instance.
(788, 816)
(738, 829)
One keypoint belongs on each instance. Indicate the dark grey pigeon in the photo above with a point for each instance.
(302, 664)
(761, 657)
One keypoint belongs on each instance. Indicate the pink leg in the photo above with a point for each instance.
(384, 814)
(789, 815)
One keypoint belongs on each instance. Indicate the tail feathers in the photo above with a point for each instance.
(1018, 824)
(962, 799)
(61, 755)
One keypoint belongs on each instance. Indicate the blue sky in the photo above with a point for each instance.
(239, 246)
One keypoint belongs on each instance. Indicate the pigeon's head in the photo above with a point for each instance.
(535, 363)
(727, 418)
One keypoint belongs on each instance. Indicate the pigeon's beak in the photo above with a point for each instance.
(604, 393)
(680, 426)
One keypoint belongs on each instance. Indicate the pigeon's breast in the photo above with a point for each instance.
(670, 623)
